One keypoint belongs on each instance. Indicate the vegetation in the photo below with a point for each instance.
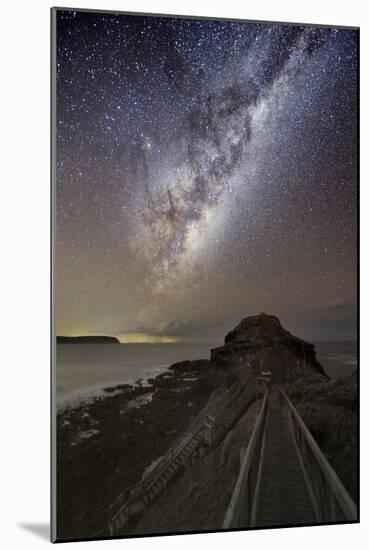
(329, 409)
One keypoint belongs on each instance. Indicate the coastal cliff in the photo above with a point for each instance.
(87, 340)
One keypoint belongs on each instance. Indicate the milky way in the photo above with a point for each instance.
(206, 170)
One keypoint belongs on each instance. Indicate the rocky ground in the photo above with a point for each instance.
(105, 446)
(198, 499)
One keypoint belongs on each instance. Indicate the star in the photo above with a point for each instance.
(206, 170)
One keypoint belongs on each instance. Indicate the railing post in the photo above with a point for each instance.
(327, 491)
(240, 507)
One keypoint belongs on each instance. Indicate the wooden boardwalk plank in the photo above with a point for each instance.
(283, 495)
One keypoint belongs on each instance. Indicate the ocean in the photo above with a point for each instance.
(83, 370)
(338, 358)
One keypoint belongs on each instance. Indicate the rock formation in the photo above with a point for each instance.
(261, 343)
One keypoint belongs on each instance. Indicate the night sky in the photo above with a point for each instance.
(206, 171)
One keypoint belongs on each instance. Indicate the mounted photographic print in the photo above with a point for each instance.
(204, 327)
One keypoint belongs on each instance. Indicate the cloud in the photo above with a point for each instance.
(177, 328)
(336, 309)
(174, 328)
(336, 320)
(171, 328)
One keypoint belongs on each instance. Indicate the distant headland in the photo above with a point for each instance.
(87, 340)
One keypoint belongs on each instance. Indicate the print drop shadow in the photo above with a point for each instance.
(42, 530)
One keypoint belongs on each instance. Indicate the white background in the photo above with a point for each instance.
(24, 272)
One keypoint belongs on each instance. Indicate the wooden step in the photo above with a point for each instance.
(166, 475)
(158, 486)
(283, 495)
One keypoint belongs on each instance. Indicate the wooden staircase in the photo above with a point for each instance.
(223, 426)
(171, 470)
(204, 432)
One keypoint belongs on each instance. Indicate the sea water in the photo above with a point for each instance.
(83, 370)
(338, 358)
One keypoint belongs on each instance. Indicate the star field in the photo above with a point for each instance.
(206, 170)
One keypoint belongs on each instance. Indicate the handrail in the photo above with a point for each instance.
(139, 489)
(221, 410)
(123, 505)
(219, 426)
(240, 508)
(175, 450)
(332, 501)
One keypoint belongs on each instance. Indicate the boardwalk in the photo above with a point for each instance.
(284, 478)
(283, 497)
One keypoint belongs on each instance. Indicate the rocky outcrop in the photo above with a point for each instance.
(194, 366)
(262, 344)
